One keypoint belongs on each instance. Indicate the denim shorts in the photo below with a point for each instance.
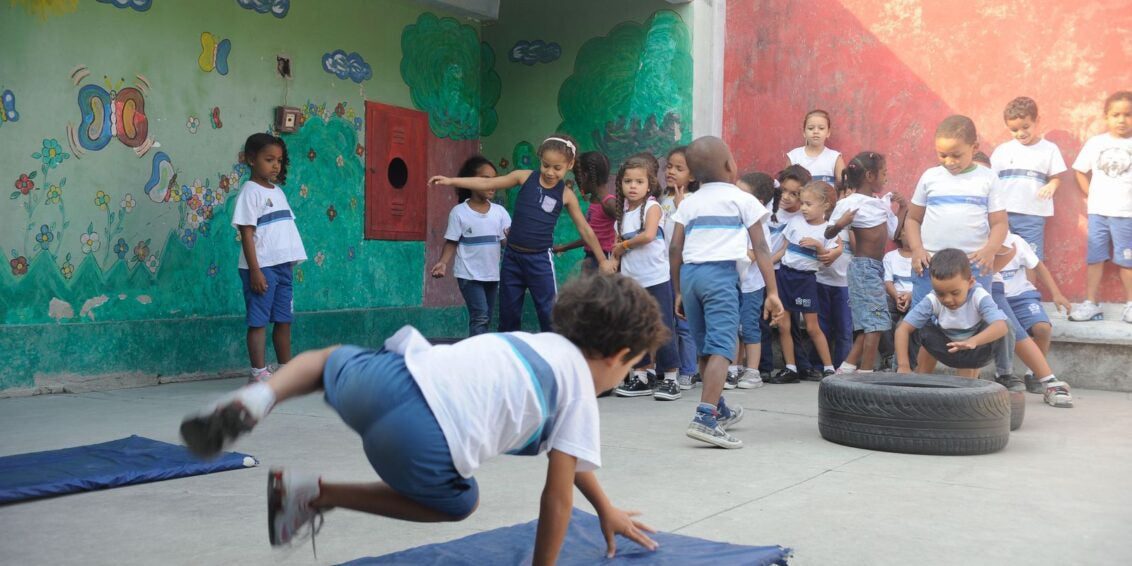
(1031, 228)
(710, 294)
(1028, 309)
(375, 395)
(1110, 238)
(274, 305)
(868, 299)
(750, 312)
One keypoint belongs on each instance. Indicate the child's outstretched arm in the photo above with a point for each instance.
(555, 507)
(1047, 279)
(571, 203)
(614, 521)
(772, 305)
(516, 177)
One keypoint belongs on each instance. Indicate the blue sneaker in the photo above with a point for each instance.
(727, 415)
(705, 428)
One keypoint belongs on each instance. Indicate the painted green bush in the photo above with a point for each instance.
(451, 75)
(631, 90)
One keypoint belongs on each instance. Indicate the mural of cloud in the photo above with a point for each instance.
(537, 51)
(343, 66)
(139, 5)
(277, 8)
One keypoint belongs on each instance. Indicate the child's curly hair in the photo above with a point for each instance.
(256, 142)
(603, 314)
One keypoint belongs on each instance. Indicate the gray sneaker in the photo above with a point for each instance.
(732, 379)
(750, 379)
(705, 428)
(1087, 310)
(685, 381)
(667, 390)
(728, 415)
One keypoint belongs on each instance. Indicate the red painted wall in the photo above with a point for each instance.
(888, 72)
(445, 156)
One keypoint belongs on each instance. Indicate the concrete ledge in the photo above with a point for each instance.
(1093, 355)
(1111, 330)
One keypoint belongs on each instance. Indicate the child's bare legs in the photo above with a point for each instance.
(281, 338)
(870, 342)
(968, 373)
(302, 376)
(713, 368)
(855, 351)
(1043, 335)
(256, 345)
(377, 498)
(754, 354)
(1126, 278)
(925, 362)
(818, 338)
(785, 340)
(1030, 355)
(1093, 275)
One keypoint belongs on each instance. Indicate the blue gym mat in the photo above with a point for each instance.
(125, 461)
(584, 545)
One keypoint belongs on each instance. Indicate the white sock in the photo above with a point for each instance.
(670, 376)
(640, 374)
(828, 368)
(864, 371)
(259, 398)
(734, 368)
(792, 368)
(259, 370)
(848, 367)
(1048, 379)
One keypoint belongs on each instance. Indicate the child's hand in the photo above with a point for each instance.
(773, 310)
(258, 282)
(1047, 191)
(1061, 302)
(961, 345)
(847, 218)
(903, 300)
(679, 307)
(440, 180)
(618, 250)
(811, 243)
(619, 522)
(920, 261)
(901, 202)
(439, 270)
(608, 266)
(984, 259)
(827, 257)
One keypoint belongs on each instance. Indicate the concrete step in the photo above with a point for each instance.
(1095, 354)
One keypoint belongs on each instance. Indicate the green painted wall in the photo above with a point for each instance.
(624, 62)
(86, 247)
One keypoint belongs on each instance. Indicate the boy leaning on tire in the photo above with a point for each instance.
(958, 323)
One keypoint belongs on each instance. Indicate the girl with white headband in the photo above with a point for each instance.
(528, 260)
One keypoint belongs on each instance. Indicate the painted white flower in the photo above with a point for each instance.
(91, 242)
(319, 258)
(340, 161)
(194, 219)
(192, 124)
(128, 202)
(151, 263)
(197, 188)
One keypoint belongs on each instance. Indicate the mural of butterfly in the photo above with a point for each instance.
(162, 178)
(214, 53)
(106, 114)
(8, 107)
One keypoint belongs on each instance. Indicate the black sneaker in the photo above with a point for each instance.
(1011, 383)
(697, 378)
(653, 381)
(732, 379)
(783, 376)
(825, 373)
(633, 387)
(813, 374)
(1033, 385)
(667, 390)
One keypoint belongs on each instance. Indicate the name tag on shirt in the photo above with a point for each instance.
(548, 204)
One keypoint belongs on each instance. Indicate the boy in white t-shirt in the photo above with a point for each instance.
(709, 239)
(270, 247)
(430, 415)
(1028, 170)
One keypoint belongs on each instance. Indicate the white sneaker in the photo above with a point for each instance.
(1126, 316)
(212, 429)
(289, 513)
(259, 375)
(750, 379)
(1088, 310)
(1057, 394)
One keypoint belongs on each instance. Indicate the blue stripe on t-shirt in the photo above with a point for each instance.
(957, 199)
(478, 240)
(715, 222)
(546, 389)
(777, 229)
(826, 178)
(802, 250)
(276, 216)
(1023, 174)
(907, 278)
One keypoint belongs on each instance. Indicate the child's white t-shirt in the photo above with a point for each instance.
(1013, 274)
(277, 238)
(753, 279)
(836, 274)
(800, 257)
(1023, 169)
(668, 208)
(477, 238)
(821, 168)
(1110, 160)
(514, 393)
(647, 264)
(957, 208)
(775, 227)
(871, 211)
(898, 270)
(961, 323)
(716, 221)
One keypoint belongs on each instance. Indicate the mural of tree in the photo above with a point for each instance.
(451, 75)
(631, 90)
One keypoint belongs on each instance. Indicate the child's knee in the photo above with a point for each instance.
(1042, 331)
(461, 512)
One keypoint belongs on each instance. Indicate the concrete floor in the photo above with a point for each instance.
(1060, 493)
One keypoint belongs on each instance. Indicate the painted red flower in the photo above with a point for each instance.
(224, 183)
(311, 154)
(331, 213)
(19, 265)
(340, 110)
(24, 184)
(360, 150)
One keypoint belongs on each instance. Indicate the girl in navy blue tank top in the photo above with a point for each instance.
(528, 260)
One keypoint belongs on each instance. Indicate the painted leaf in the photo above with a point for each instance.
(15, 195)
(33, 174)
(90, 228)
(35, 155)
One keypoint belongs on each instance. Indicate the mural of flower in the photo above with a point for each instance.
(68, 268)
(102, 200)
(193, 124)
(311, 154)
(340, 161)
(319, 258)
(360, 150)
(225, 182)
(212, 270)
(209, 198)
(189, 237)
(121, 247)
(51, 155)
(128, 202)
(331, 213)
(219, 197)
(195, 203)
(204, 228)
(19, 265)
(194, 219)
(44, 236)
(24, 184)
(340, 110)
(197, 188)
(299, 274)
(174, 194)
(151, 264)
(304, 191)
(54, 195)
(141, 251)
(91, 241)
(241, 169)
(350, 253)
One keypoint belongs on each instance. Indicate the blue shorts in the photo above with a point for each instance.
(1028, 309)
(710, 292)
(868, 299)
(998, 293)
(750, 313)
(1031, 228)
(375, 395)
(798, 289)
(1110, 238)
(277, 303)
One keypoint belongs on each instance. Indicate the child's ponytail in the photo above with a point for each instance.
(858, 169)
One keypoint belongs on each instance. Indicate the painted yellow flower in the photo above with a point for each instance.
(102, 200)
